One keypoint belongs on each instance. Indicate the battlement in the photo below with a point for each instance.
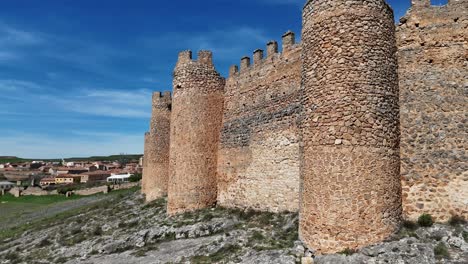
(162, 99)
(272, 53)
(204, 57)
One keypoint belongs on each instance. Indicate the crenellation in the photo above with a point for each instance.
(420, 3)
(272, 48)
(245, 63)
(288, 39)
(205, 57)
(258, 57)
(233, 70)
(185, 57)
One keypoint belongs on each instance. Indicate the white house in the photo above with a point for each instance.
(119, 178)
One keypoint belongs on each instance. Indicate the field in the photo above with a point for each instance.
(19, 214)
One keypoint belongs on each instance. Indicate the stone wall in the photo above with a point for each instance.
(350, 174)
(258, 163)
(156, 167)
(93, 190)
(195, 128)
(433, 59)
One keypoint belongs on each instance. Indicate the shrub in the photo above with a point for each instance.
(44, 243)
(97, 231)
(425, 220)
(410, 225)
(135, 177)
(465, 236)
(456, 220)
(258, 236)
(348, 252)
(441, 251)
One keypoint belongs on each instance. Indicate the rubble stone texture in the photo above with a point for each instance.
(433, 59)
(197, 111)
(351, 192)
(258, 163)
(156, 167)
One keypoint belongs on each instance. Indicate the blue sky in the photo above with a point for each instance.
(76, 76)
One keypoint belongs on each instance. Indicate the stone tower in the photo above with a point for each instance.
(350, 171)
(197, 112)
(156, 167)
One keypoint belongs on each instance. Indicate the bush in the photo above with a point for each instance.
(441, 251)
(135, 177)
(465, 236)
(456, 220)
(425, 220)
(348, 252)
(97, 231)
(410, 225)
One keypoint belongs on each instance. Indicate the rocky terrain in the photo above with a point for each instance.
(123, 229)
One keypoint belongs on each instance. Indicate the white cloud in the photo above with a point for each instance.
(224, 43)
(111, 103)
(44, 146)
(12, 37)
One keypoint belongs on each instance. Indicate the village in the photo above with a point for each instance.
(66, 177)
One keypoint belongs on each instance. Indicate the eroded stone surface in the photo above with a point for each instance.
(156, 156)
(433, 59)
(351, 192)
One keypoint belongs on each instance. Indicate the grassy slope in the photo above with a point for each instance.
(18, 209)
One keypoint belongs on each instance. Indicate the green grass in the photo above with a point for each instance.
(13, 210)
(31, 199)
(441, 251)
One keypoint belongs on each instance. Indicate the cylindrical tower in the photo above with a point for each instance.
(197, 115)
(350, 172)
(156, 167)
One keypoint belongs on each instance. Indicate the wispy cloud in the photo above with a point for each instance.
(45, 146)
(224, 43)
(13, 37)
(111, 103)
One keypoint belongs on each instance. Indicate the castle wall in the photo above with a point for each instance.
(350, 173)
(196, 123)
(258, 165)
(156, 167)
(433, 59)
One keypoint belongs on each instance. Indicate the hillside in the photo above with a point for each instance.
(128, 157)
(123, 229)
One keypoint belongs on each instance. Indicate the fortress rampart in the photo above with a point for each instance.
(156, 167)
(197, 111)
(433, 60)
(329, 126)
(350, 176)
(259, 139)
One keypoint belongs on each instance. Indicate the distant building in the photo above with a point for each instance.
(6, 185)
(66, 170)
(95, 176)
(67, 179)
(119, 178)
(47, 182)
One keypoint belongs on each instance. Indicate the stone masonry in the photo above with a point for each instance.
(433, 58)
(259, 139)
(316, 126)
(351, 192)
(156, 162)
(197, 112)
